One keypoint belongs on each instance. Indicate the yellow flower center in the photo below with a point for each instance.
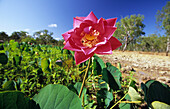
(89, 36)
(90, 40)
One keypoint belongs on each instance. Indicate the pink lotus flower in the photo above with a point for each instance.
(91, 35)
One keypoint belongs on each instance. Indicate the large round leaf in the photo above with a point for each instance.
(16, 100)
(158, 92)
(112, 76)
(9, 85)
(1, 47)
(149, 82)
(160, 105)
(134, 95)
(83, 97)
(17, 60)
(124, 106)
(98, 65)
(3, 58)
(57, 96)
(45, 64)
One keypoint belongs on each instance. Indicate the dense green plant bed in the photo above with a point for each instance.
(46, 77)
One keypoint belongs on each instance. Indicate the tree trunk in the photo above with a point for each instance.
(168, 46)
(126, 43)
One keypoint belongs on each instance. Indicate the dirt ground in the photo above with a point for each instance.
(147, 65)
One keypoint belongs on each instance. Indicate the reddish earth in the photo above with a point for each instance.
(147, 65)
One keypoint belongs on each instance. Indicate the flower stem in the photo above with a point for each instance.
(84, 78)
(130, 101)
(125, 94)
(119, 101)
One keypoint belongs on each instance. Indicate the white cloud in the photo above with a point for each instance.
(35, 31)
(36, 36)
(57, 38)
(26, 29)
(27, 34)
(41, 33)
(53, 25)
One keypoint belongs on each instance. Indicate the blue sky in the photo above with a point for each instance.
(35, 15)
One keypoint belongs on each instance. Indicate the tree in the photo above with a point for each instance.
(152, 42)
(43, 37)
(28, 39)
(23, 34)
(3, 36)
(25, 37)
(162, 43)
(16, 36)
(129, 29)
(60, 42)
(163, 21)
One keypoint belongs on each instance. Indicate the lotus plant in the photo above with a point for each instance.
(89, 36)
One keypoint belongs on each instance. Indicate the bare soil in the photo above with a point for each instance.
(148, 65)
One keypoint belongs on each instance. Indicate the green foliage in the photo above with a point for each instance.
(83, 97)
(28, 39)
(125, 106)
(160, 105)
(43, 37)
(29, 68)
(156, 91)
(4, 36)
(63, 97)
(1, 47)
(129, 29)
(113, 77)
(45, 64)
(98, 65)
(152, 43)
(39, 37)
(16, 100)
(25, 64)
(9, 85)
(134, 95)
(39, 47)
(17, 60)
(163, 21)
(104, 98)
(16, 36)
(163, 18)
(3, 58)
